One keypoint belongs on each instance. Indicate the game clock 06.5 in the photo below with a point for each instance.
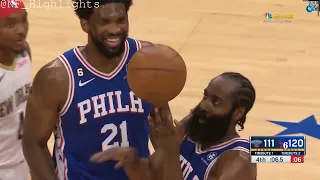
(270, 159)
(276, 159)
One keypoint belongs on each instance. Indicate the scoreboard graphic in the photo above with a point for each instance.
(277, 149)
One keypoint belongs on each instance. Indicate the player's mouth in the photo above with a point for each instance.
(112, 42)
(20, 42)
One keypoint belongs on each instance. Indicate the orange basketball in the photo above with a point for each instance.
(157, 74)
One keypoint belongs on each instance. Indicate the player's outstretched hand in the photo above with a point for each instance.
(167, 133)
(125, 156)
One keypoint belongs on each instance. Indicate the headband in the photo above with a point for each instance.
(8, 7)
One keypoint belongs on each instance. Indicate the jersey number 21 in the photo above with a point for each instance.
(114, 131)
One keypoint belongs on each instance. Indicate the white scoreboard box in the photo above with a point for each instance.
(271, 159)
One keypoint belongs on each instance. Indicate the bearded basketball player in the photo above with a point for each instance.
(84, 98)
(211, 150)
(15, 85)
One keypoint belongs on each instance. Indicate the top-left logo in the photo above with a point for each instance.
(10, 3)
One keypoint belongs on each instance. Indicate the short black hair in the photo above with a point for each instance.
(245, 96)
(85, 11)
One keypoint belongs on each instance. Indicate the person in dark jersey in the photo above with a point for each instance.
(83, 97)
(204, 146)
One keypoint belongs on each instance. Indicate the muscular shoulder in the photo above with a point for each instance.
(145, 43)
(53, 72)
(233, 165)
(240, 157)
(51, 79)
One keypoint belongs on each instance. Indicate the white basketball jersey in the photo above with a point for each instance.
(15, 86)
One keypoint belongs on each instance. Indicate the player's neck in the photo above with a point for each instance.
(6, 57)
(99, 61)
(229, 135)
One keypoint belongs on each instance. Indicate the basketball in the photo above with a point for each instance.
(157, 74)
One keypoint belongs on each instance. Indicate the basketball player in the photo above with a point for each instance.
(15, 85)
(84, 97)
(211, 149)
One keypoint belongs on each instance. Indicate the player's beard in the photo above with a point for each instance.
(108, 51)
(204, 129)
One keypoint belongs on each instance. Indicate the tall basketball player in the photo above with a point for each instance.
(15, 85)
(84, 97)
(211, 150)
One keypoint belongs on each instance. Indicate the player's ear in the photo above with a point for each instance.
(84, 25)
(238, 113)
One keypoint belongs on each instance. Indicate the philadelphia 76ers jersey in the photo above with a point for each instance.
(196, 164)
(101, 112)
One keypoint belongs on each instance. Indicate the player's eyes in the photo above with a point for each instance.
(215, 102)
(104, 22)
(10, 24)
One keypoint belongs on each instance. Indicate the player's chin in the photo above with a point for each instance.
(114, 49)
(112, 52)
(18, 48)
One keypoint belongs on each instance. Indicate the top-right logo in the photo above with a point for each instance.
(313, 6)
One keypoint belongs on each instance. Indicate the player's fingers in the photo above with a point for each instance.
(151, 121)
(180, 128)
(119, 164)
(115, 154)
(176, 122)
(179, 125)
(166, 115)
(153, 128)
(168, 121)
(102, 157)
(158, 121)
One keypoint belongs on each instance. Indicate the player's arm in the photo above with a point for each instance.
(165, 112)
(136, 168)
(171, 168)
(233, 165)
(149, 168)
(49, 87)
(29, 53)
